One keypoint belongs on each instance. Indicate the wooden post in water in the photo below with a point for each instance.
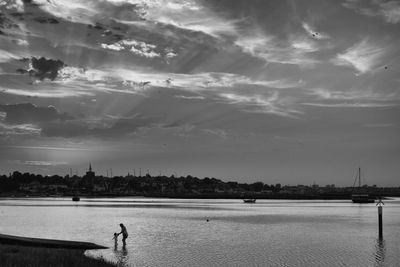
(380, 222)
(380, 213)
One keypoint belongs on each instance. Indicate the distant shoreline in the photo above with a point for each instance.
(204, 196)
(35, 185)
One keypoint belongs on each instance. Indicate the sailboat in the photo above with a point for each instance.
(360, 197)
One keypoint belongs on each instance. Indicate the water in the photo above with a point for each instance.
(171, 232)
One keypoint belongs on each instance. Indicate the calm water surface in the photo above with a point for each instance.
(171, 232)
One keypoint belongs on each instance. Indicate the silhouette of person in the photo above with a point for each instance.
(115, 240)
(124, 233)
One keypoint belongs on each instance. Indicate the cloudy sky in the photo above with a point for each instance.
(284, 91)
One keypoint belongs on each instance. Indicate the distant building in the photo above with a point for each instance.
(89, 177)
(90, 173)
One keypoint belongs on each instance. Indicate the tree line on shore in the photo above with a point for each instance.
(36, 184)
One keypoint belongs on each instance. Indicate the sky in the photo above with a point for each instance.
(278, 91)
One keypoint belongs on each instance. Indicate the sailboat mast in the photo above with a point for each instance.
(359, 177)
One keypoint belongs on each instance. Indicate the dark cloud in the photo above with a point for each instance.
(81, 128)
(46, 68)
(45, 20)
(98, 26)
(29, 113)
(65, 129)
(24, 59)
(6, 23)
(115, 33)
(17, 14)
(21, 71)
(43, 68)
(31, 2)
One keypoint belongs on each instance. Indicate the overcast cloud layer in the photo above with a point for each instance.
(273, 91)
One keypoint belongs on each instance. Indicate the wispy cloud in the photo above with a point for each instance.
(391, 11)
(190, 97)
(20, 129)
(216, 132)
(73, 10)
(21, 42)
(312, 32)
(351, 105)
(38, 162)
(47, 91)
(189, 15)
(387, 10)
(271, 104)
(51, 148)
(365, 94)
(295, 51)
(12, 5)
(115, 46)
(6, 56)
(352, 98)
(379, 125)
(140, 48)
(363, 56)
(145, 50)
(188, 82)
(72, 82)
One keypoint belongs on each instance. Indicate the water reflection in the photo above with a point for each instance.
(380, 251)
(270, 233)
(121, 255)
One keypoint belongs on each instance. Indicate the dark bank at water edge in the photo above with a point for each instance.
(22, 256)
(28, 251)
(47, 243)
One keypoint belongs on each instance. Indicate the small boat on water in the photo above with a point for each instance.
(362, 198)
(249, 200)
(76, 196)
(48, 243)
(358, 196)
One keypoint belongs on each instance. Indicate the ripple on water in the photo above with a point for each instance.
(170, 233)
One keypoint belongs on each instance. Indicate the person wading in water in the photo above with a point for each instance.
(124, 233)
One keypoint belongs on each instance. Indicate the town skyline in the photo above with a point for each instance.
(281, 91)
(142, 172)
(19, 184)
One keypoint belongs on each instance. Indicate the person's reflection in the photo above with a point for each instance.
(121, 255)
(380, 251)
